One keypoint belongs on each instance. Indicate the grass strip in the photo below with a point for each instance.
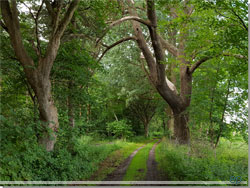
(138, 167)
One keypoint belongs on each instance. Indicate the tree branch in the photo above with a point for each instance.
(239, 56)
(198, 63)
(50, 9)
(136, 18)
(37, 34)
(67, 17)
(170, 48)
(4, 26)
(10, 17)
(46, 64)
(113, 45)
(241, 20)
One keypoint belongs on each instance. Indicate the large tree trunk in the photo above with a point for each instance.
(181, 130)
(157, 71)
(146, 129)
(48, 115)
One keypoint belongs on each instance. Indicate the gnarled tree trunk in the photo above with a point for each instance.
(181, 130)
(38, 75)
(157, 70)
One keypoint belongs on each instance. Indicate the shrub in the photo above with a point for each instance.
(182, 164)
(21, 158)
(120, 129)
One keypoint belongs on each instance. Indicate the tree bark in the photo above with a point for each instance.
(181, 130)
(146, 128)
(48, 114)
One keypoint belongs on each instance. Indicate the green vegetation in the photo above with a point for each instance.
(120, 129)
(83, 84)
(24, 159)
(138, 167)
(199, 163)
(115, 159)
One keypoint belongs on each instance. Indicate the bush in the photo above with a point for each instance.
(157, 134)
(21, 158)
(180, 164)
(120, 129)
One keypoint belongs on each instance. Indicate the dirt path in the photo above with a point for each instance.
(118, 174)
(152, 172)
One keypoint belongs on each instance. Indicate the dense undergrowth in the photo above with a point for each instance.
(78, 157)
(75, 157)
(201, 163)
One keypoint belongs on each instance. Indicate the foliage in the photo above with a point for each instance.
(180, 164)
(111, 98)
(120, 129)
(23, 159)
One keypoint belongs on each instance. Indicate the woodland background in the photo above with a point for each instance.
(77, 75)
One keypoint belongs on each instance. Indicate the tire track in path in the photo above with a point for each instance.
(152, 172)
(119, 173)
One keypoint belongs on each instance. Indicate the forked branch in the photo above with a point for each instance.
(135, 18)
(115, 44)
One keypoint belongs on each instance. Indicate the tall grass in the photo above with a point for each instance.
(201, 163)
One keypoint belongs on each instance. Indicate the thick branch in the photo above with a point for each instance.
(50, 9)
(136, 18)
(159, 55)
(46, 64)
(3, 26)
(67, 17)
(198, 63)
(241, 20)
(11, 22)
(239, 56)
(168, 46)
(142, 44)
(115, 44)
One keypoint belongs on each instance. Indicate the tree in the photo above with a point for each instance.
(144, 110)
(37, 71)
(189, 57)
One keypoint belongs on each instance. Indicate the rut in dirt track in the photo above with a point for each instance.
(119, 173)
(153, 173)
